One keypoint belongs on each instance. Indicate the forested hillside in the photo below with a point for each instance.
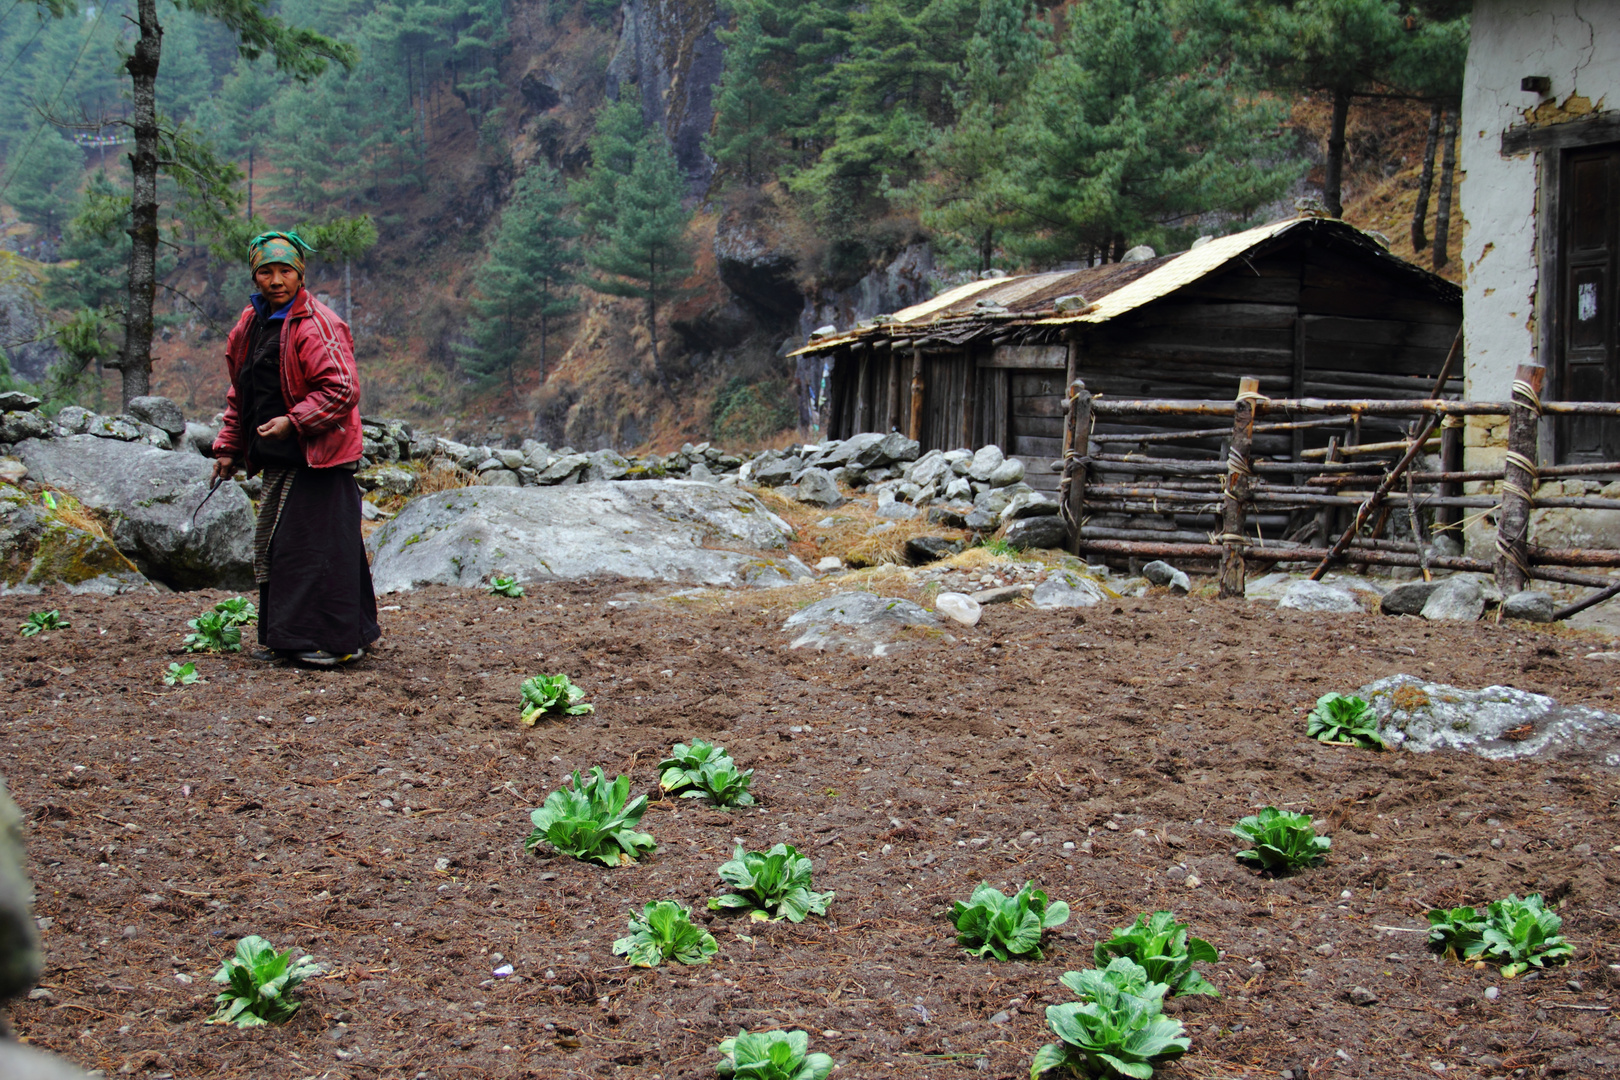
(606, 223)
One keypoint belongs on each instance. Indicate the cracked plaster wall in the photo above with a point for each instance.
(1575, 43)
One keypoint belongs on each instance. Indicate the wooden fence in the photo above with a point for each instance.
(1248, 495)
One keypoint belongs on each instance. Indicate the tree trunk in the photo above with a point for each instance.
(250, 183)
(1426, 181)
(1442, 209)
(135, 361)
(1333, 175)
(348, 292)
(1119, 247)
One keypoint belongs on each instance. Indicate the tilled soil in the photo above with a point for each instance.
(374, 817)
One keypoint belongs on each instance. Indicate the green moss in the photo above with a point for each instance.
(72, 556)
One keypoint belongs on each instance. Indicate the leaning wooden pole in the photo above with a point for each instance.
(1519, 480)
(1076, 448)
(1384, 488)
(914, 429)
(1239, 484)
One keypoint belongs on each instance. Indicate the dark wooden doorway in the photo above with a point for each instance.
(1589, 300)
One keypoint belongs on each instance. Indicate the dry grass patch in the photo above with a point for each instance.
(846, 531)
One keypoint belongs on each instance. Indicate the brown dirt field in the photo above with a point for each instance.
(313, 807)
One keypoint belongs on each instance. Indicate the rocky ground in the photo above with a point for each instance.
(375, 817)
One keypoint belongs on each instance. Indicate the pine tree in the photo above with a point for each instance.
(749, 113)
(41, 182)
(644, 252)
(237, 117)
(618, 140)
(530, 265)
(1130, 128)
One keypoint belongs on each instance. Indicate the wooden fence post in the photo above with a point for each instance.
(1519, 480)
(1239, 481)
(1076, 458)
(915, 428)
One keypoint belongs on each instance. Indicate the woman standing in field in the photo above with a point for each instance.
(293, 413)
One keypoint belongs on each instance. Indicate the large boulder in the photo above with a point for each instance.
(150, 496)
(37, 549)
(160, 412)
(20, 959)
(1307, 595)
(19, 424)
(863, 623)
(1037, 532)
(661, 530)
(1456, 599)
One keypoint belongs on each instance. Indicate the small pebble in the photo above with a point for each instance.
(131, 933)
(1068, 845)
(1575, 985)
(1176, 873)
(441, 864)
(1193, 881)
(1360, 995)
(1324, 949)
(1492, 993)
(1001, 1018)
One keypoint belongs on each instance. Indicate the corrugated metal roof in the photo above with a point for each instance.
(1113, 289)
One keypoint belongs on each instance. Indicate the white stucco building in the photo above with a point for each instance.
(1540, 147)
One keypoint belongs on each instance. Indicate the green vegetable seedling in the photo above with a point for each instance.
(1344, 721)
(772, 1055)
(551, 693)
(1282, 840)
(1518, 934)
(505, 586)
(665, 932)
(994, 924)
(257, 981)
(592, 821)
(181, 674)
(238, 611)
(704, 770)
(1119, 1029)
(1164, 950)
(40, 621)
(771, 885)
(213, 631)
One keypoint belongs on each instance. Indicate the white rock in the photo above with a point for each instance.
(959, 607)
(1307, 595)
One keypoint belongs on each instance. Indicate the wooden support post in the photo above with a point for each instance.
(863, 399)
(1519, 480)
(916, 429)
(1076, 460)
(1235, 505)
(893, 359)
(1449, 519)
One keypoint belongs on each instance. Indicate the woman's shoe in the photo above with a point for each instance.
(322, 658)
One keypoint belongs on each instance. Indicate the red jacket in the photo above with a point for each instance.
(319, 382)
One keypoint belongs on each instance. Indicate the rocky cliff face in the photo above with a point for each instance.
(670, 55)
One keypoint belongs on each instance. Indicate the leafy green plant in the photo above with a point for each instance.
(257, 981)
(551, 693)
(593, 821)
(1344, 720)
(213, 631)
(1517, 934)
(40, 621)
(181, 674)
(1164, 950)
(1119, 1030)
(505, 586)
(992, 923)
(665, 932)
(772, 1055)
(1282, 840)
(771, 885)
(704, 770)
(238, 611)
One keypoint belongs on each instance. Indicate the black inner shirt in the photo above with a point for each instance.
(261, 381)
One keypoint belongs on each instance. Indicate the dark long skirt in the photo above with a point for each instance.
(319, 594)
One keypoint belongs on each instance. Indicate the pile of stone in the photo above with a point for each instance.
(535, 464)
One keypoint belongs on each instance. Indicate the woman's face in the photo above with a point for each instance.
(277, 282)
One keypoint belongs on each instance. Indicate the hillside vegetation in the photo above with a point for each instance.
(606, 224)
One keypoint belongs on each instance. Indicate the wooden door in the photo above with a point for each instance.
(1589, 298)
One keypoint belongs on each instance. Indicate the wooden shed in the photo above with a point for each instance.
(1312, 306)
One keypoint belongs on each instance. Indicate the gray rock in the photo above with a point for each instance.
(1037, 532)
(37, 549)
(198, 438)
(19, 1062)
(862, 623)
(607, 465)
(929, 470)
(986, 460)
(1407, 598)
(155, 436)
(1028, 504)
(775, 472)
(700, 471)
(511, 459)
(1422, 715)
(507, 478)
(898, 511)
(980, 520)
(1140, 253)
(927, 549)
(1068, 589)
(959, 488)
(1456, 599)
(1360, 995)
(1530, 605)
(1004, 594)
(73, 420)
(898, 448)
(1159, 572)
(489, 464)
(995, 500)
(122, 428)
(388, 480)
(816, 487)
(17, 401)
(953, 517)
(1446, 545)
(150, 497)
(564, 469)
(15, 426)
(160, 412)
(1307, 595)
(841, 453)
(662, 530)
(1008, 472)
(21, 959)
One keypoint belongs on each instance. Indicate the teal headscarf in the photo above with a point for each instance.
(278, 247)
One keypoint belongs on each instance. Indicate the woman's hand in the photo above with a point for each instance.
(224, 468)
(279, 428)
